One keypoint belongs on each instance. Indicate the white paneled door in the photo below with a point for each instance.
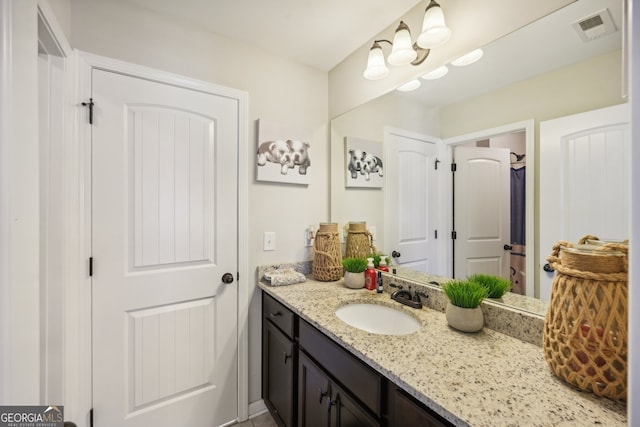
(584, 180)
(411, 201)
(164, 232)
(482, 211)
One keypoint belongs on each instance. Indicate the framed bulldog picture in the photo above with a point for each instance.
(283, 154)
(364, 166)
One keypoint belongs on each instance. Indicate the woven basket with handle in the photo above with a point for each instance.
(585, 330)
(327, 259)
(359, 241)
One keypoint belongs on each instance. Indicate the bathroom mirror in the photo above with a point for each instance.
(545, 49)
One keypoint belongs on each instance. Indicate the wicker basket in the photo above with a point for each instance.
(327, 260)
(585, 330)
(359, 241)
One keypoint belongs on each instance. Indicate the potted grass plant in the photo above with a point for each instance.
(496, 286)
(354, 272)
(463, 310)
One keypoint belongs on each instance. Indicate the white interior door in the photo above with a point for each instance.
(412, 194)
(482, 211)
(584, 180)
(164, 231)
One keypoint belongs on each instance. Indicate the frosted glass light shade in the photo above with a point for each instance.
(376, 67)
(435, 32)
(409, 86)
(402, 52)
(469, 58)
(437, 73)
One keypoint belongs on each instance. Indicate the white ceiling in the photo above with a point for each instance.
(319, 33)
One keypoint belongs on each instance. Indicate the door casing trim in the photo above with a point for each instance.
(528, 126)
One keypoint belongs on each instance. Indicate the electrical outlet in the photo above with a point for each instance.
(373, 230)
(310, 235)
(269, 241)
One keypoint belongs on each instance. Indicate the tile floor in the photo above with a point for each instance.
(262, 420)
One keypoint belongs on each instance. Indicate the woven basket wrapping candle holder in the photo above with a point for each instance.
(585, 331)
(327, 259)
(359, 241)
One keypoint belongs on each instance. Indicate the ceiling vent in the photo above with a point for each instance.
(594, 26)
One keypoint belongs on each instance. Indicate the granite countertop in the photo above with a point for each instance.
(481, 379)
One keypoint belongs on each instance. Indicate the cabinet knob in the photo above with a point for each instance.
(321, 395)
(286, 356)
(276, 314)
(331, 403)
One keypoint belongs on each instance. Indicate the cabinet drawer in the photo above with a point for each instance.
(362, 381)
(277, 313)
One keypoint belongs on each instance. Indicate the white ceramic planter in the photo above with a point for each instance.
(354, 280)
(464, 319)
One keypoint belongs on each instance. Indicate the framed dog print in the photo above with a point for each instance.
(364, 166)
(283, 154)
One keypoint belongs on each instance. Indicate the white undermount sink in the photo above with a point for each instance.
(378, 319)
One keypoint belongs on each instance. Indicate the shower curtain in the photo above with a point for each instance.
(518, 227)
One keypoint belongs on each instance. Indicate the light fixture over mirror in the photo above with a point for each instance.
(437, 73)
(435, 32)
(468, 59)
(403, 51)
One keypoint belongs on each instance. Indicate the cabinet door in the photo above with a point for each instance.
(345, 412)
(405, 411)
(278, 373)
(313, 394)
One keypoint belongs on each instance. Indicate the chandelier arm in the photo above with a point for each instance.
(383, 40)
(422, 54)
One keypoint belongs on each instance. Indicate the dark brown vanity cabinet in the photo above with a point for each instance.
(279, 361)
(322, 402)
(309, 380)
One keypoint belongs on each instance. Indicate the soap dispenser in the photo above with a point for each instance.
(370, 275)
(382, 266)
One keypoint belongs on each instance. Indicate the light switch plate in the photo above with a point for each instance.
(269, 241)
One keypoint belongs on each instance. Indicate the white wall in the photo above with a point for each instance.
(62, 12)
(559, 93)
(279, 90)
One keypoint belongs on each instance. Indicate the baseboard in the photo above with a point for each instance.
(257, 408)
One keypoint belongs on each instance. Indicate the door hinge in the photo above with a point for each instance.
(91, 417)
(453, 167)
(90, 105)
(436, 163)
(454, 235)
(90, 266)
(435, 234)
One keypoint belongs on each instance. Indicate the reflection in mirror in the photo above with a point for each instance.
(540, 72)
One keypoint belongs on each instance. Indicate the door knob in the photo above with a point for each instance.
(507, 247)
(395, 254)
(548, 268)
(227, 278)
